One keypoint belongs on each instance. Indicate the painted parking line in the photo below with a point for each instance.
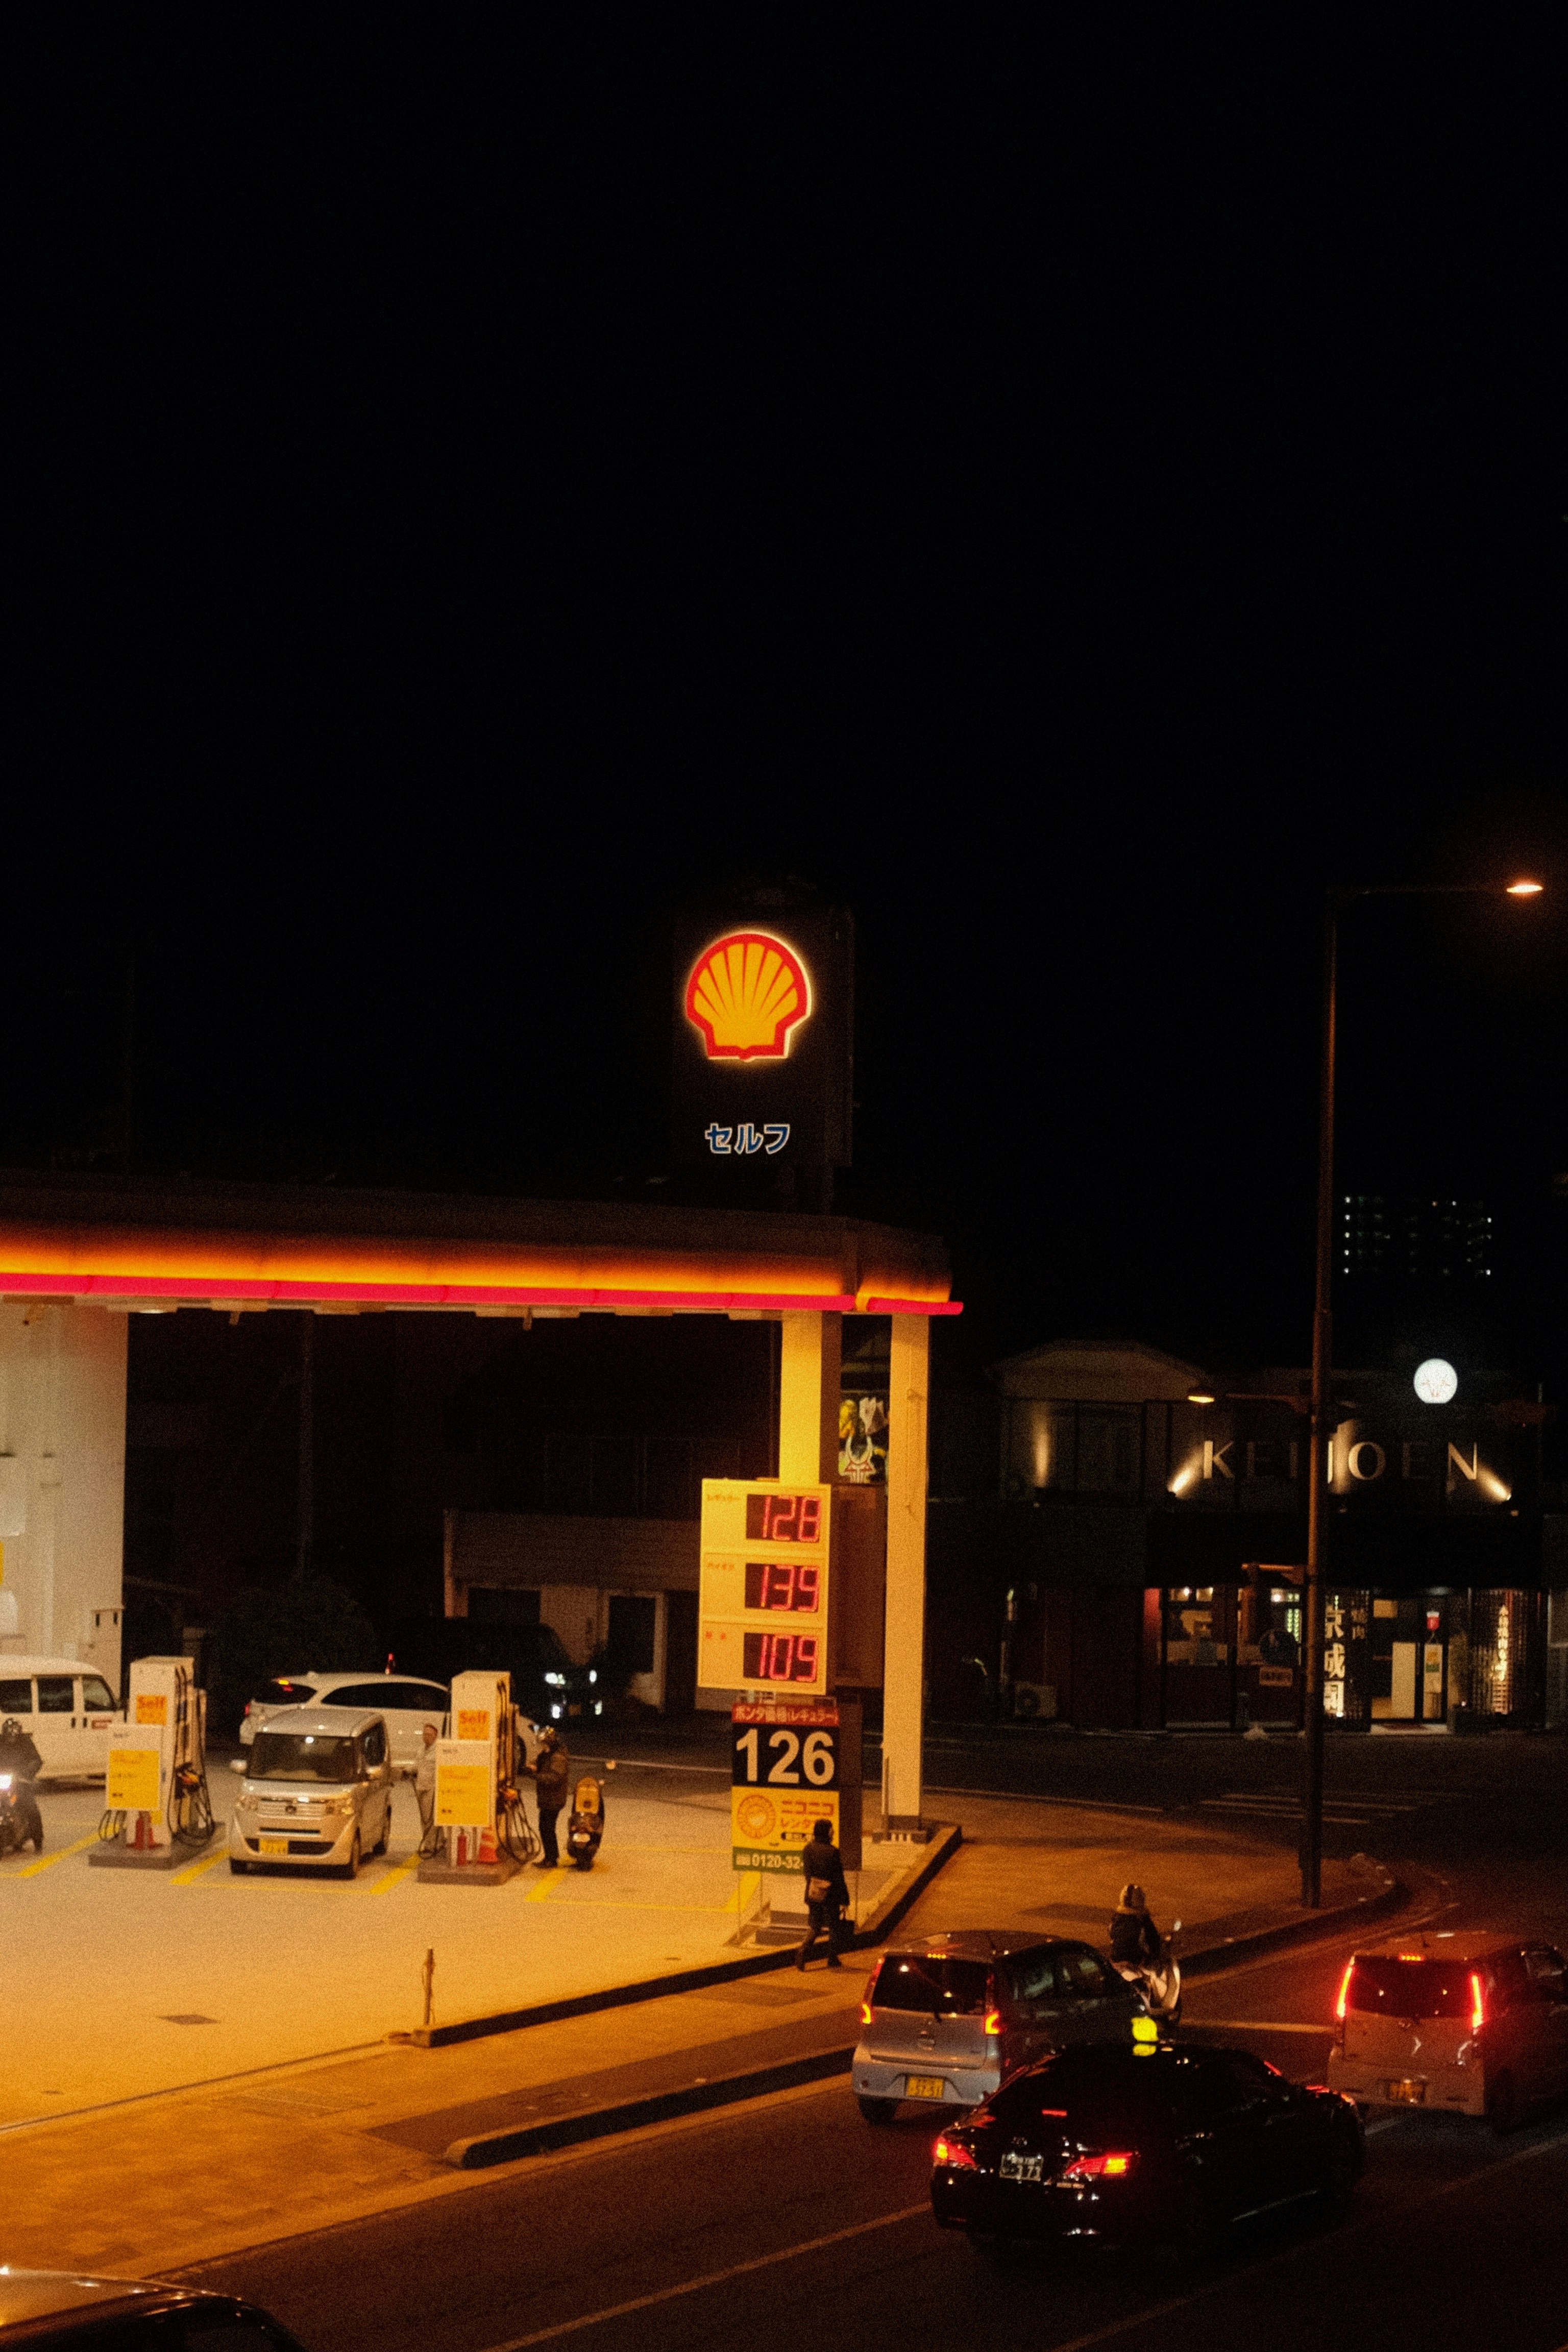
(547, 1885)
(197, 1870)
(395, 1873)
(48, 1860)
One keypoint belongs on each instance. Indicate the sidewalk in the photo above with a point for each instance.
(178, 2178)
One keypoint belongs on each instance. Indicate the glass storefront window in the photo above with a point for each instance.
(1499, 1627)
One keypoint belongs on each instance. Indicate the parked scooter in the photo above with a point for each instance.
(21, 1822)
(585, 1827)
(1160, 1982)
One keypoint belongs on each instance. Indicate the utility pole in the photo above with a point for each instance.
(1322, 1400)
(1321, 1432)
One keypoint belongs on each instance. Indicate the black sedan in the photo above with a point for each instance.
(1160, 2145)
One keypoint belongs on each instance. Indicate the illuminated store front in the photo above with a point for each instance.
(1143, 1557)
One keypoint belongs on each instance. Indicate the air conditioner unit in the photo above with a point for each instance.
(1036, 1702)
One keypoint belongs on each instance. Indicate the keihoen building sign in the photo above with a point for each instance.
(1137, 1563)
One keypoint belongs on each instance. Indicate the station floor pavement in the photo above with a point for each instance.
(301, 2115)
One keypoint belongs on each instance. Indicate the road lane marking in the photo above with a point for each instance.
(547, 1885)
(1201, 2294)
(49, 1860)
(197, 1869)
(713, 2278)
(1253, 2025)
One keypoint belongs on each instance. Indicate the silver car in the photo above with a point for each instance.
(948, 2018)
(316, 1791)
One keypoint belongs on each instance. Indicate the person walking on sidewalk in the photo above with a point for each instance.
(550, 1769)
(826, 1896)
(425, 1786)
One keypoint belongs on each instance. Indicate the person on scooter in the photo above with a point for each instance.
(18, 1751)
(1134, 1938)
(21, 1762)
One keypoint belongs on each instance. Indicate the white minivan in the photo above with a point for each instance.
(67, 1708)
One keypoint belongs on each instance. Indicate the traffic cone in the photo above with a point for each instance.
(487, 1845)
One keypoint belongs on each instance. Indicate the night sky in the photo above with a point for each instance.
(490, 480)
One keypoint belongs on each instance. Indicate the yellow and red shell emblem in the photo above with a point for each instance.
(746, 994)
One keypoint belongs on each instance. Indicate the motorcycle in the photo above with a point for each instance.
(587, 1825)
(1158, 1981)
(20, 1821)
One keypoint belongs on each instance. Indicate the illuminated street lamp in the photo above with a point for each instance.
(1322, 1353)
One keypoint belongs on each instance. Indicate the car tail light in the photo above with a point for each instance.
(955, 2154)
(865, 2012)
(992, 2020)
(1478, 2005)
(1343, 2002)
(1113, 2167)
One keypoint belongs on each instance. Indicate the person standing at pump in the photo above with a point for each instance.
(826, 1896)
(425, 1786)
(550, 1769)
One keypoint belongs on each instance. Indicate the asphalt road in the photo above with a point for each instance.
(789, 2218)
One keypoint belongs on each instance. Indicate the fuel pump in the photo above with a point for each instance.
(474, 1785)
(157, 1810)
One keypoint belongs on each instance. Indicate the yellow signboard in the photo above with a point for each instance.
(153, 1706)
(132, 1782)
(768, 1828)
(465, 1784)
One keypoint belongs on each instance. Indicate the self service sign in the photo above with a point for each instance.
(785, 1776)
(762, 1591)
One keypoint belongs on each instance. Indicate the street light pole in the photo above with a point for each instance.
(1322, 1404)
(1318, 1451)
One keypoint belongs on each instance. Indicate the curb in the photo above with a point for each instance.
(1391, 1897)
(944, 1842)
(600, 2123)
(566, 2131)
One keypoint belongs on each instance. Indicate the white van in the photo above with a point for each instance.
(69, 1709)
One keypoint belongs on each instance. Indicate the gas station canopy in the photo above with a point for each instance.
(95, 1242)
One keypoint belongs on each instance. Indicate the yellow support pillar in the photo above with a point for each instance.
(809, 1358)
(903, 1688)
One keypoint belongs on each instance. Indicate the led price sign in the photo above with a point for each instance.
(781, 1658)
(780, 1516)
(762, 1604)
(782, 1584)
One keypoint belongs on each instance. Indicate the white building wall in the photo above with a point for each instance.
(62, 1473)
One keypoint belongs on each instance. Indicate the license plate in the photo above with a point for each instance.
(1407, 2093)
(925, 2086)
(1015, 2167)
(275, 1846)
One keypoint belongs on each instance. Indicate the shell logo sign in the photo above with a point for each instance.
(747, 995)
